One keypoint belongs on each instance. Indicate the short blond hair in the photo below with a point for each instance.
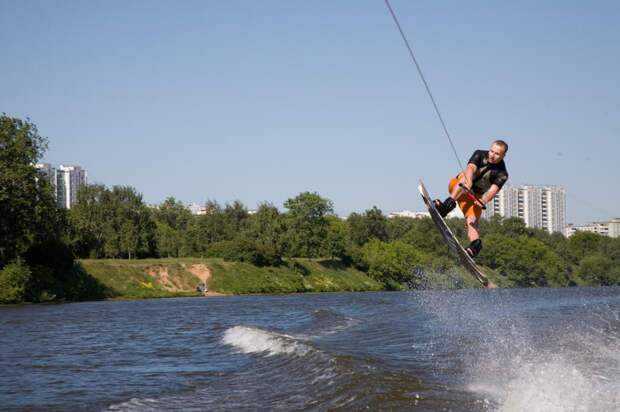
(502, 144)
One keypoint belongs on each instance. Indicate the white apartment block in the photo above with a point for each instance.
(530, 205)
(540, 207)
(408, 213)
(614, 227)
(505, 203)
(553, 209)
(611, 229)
(66, 181)
(595, 227)
(417, 215)
(48, 171)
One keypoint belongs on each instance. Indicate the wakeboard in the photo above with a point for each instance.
(455, 247)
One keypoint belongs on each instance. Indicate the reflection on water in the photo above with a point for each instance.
(496, 350)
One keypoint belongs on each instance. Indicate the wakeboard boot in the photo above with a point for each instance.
(445, 207)
(474, 248)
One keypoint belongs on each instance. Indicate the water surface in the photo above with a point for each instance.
(466, 350)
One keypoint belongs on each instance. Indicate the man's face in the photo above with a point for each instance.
(496, 154)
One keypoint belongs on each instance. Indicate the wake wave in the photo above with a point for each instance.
(249, 339)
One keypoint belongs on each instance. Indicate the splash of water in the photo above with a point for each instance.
(573, 367)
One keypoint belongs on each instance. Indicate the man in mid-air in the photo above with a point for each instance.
(484, 176)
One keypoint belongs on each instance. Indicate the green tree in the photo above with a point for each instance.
(14, 281)
(424, 236)
(525, 261)
(235, 219)
(168, 241)
(391, 263)
(31, 226)
(491, 225)
(134, 223)
(357, 233)
(87, 221)
(371, 225)
(398, 227)
(610, 247)
(174, 215)
(129, 238)
(334, 245)
(582, 244)
(308, 226)
(28, 212)
(557, 242)
(205, 229)
(267, 229)
(598, 270)
(112, 223)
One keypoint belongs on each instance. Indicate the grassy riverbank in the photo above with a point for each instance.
(154, 278)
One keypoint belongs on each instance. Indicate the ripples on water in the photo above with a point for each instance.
(499, 350)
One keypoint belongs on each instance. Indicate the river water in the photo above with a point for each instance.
(465, 350)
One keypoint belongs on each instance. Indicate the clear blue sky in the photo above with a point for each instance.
(261, 100)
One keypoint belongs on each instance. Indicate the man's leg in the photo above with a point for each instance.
(449, 204)
(445, 207)
(456, 191)
(474, 237)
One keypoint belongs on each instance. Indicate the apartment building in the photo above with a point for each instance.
(66, 181)
(611, 228)
(553, 209)
(540, 207)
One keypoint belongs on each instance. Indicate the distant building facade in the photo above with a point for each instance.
(408, 213)
(611, 229)
(66, 181)
(505, 203)
(542, 207)
(196, 209)
(416, 215)
(530, 205)
(553, 209)
(614, 228)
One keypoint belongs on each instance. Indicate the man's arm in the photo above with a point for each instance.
(490, 194)
(470, 170)
(466, 179)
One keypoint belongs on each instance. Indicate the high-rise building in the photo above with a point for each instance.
(530, 205)
(540, 207)
(553, 209)
(73, 177)
(48, 171)
(505, 203)
(66, 180)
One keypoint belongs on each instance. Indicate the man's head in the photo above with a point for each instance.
(498, 151)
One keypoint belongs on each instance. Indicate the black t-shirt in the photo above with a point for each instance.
(488, 173)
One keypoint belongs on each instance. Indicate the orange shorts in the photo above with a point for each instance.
(466, 203)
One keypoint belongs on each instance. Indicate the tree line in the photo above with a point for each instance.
(38, 242)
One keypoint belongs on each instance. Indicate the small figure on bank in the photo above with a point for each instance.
(484, 176)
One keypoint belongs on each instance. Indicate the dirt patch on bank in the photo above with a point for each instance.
(161, 274)
(203, 273)
(179, 283)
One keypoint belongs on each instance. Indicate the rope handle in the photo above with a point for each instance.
(472, 195)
